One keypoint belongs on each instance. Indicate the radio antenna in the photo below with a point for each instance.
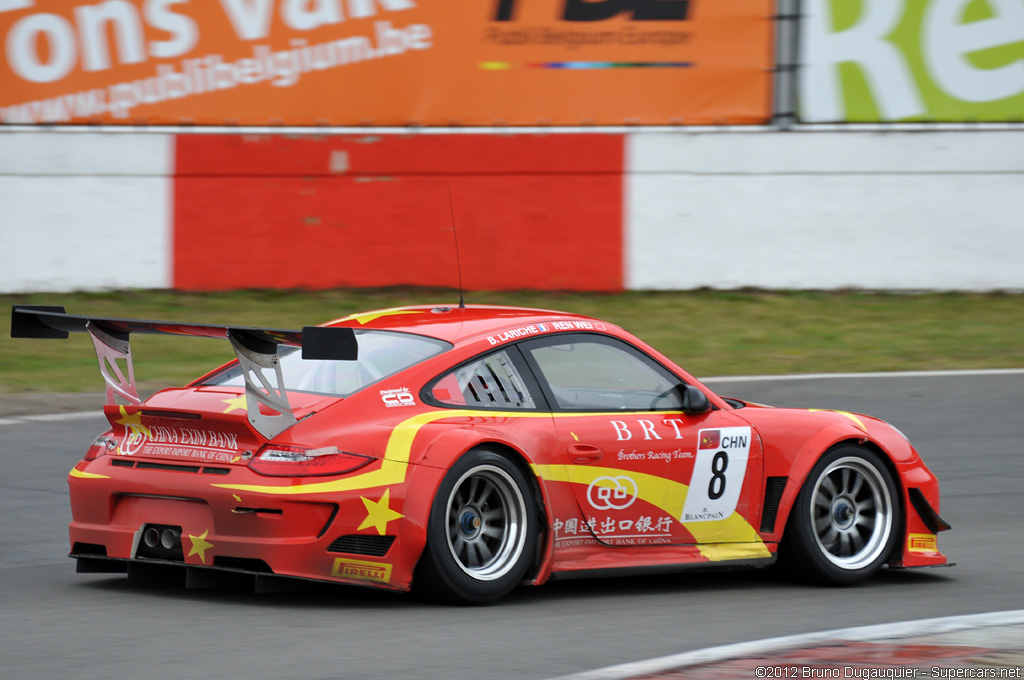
(458, 260)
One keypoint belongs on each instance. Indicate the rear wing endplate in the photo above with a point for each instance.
(256, 349)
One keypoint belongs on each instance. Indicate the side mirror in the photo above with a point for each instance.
(694, 401)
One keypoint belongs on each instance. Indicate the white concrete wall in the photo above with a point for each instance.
(804, 210)
(826, 210)
(85, 211)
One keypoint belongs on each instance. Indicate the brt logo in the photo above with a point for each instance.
(599, 10)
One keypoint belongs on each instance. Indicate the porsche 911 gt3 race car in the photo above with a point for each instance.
(465, 450)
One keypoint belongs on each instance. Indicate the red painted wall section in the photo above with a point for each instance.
(532, 211)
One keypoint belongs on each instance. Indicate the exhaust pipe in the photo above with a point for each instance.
(151, 537)
(169, 538)
(160, 542)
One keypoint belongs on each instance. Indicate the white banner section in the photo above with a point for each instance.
(85, 211)
(825, 210)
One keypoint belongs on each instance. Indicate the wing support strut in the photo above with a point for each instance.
(264, 384)
(112, 347)
(256, 349)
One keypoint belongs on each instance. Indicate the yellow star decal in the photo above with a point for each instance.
(366, 318)
(235, 404)
(237, 497)
(133, 422)
(378, 514)
(574, 436)
(200, 545)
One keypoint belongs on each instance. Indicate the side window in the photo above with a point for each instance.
(594, 372)
(490, 382)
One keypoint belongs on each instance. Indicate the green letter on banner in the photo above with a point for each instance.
(912, 60)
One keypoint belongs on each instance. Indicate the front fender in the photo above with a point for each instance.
(789, 455)
(794, 440)
(800, 467)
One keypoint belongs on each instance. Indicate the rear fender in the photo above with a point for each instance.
(450, 444)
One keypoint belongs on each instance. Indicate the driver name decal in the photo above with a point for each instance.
(538, 328)
(518, 333)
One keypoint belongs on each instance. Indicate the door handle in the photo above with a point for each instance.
(585, 453)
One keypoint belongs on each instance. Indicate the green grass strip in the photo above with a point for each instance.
(709, 333)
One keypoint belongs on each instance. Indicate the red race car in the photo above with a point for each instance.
(466, 450)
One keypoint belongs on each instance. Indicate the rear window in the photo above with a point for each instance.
(490, 382)
(381, 354)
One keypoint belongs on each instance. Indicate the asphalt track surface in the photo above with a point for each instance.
(55, 623)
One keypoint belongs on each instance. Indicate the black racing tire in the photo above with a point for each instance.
(846, 521)
(482, 531)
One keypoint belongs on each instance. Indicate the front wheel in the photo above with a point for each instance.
(482, 530)
(846, 520)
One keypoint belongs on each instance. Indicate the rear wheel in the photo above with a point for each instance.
(482, 530)
(846, 520)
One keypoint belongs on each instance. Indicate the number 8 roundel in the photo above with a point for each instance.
(717, 474)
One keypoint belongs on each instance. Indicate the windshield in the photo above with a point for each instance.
(381, 353)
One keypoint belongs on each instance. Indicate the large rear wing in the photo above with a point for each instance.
(256, 349)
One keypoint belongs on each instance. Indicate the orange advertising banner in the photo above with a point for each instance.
(385, 62)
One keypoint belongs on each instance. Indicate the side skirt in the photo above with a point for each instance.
(648, 570)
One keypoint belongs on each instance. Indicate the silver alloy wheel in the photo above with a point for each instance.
(486, 526)
(852, 510)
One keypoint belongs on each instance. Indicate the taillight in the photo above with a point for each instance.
(100, 446)
(293, 461)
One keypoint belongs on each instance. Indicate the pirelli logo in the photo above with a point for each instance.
(361, 570)
(923, 543)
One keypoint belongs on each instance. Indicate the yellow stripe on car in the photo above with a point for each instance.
(670, 496)
(666, 494)
(75, 472)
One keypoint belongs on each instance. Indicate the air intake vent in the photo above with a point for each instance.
(357, 544)
(145, 465)
(772, 495)
(89, 549)
(242, 564)
(329, 522)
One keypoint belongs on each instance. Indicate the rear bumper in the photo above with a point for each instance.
(364, 536)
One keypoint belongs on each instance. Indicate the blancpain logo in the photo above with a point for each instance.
(704, 516)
